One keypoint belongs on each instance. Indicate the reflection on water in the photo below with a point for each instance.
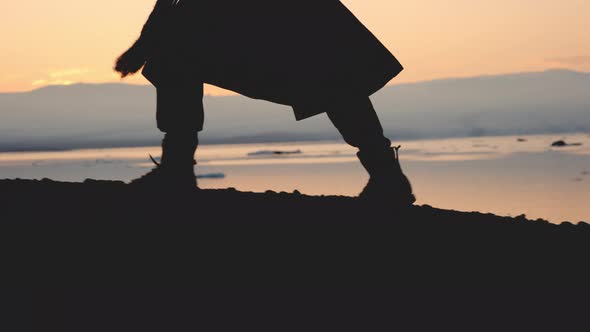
(504, 175)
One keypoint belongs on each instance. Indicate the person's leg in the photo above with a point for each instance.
(179, 111)
(180, 117)
(359, 125)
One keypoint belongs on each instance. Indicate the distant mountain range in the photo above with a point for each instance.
(109, 115)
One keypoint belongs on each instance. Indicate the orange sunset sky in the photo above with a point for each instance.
(68, 41)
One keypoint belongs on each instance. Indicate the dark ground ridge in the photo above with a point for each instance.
(103, 233)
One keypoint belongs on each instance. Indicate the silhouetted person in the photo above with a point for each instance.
(312, 55)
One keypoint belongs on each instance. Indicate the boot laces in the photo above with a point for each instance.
(396, 151)
(157, 169)
(154, 161)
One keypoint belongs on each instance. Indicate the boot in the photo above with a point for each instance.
(175, 171)
(387, 182)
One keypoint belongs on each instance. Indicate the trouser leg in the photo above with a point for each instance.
(180, 115)
(180, 108)
(359, 125)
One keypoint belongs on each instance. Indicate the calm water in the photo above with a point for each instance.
(489, 174)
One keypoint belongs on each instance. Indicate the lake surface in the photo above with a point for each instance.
(508, 175)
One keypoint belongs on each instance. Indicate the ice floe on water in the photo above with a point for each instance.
(274, 153)
(211, 176)
(562, 143)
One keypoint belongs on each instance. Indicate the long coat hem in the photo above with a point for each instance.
(311, 55)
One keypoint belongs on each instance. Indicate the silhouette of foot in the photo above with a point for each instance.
(387, 184)
(393, 192)
(173, 177)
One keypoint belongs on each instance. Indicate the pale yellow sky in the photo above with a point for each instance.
(67, 41)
